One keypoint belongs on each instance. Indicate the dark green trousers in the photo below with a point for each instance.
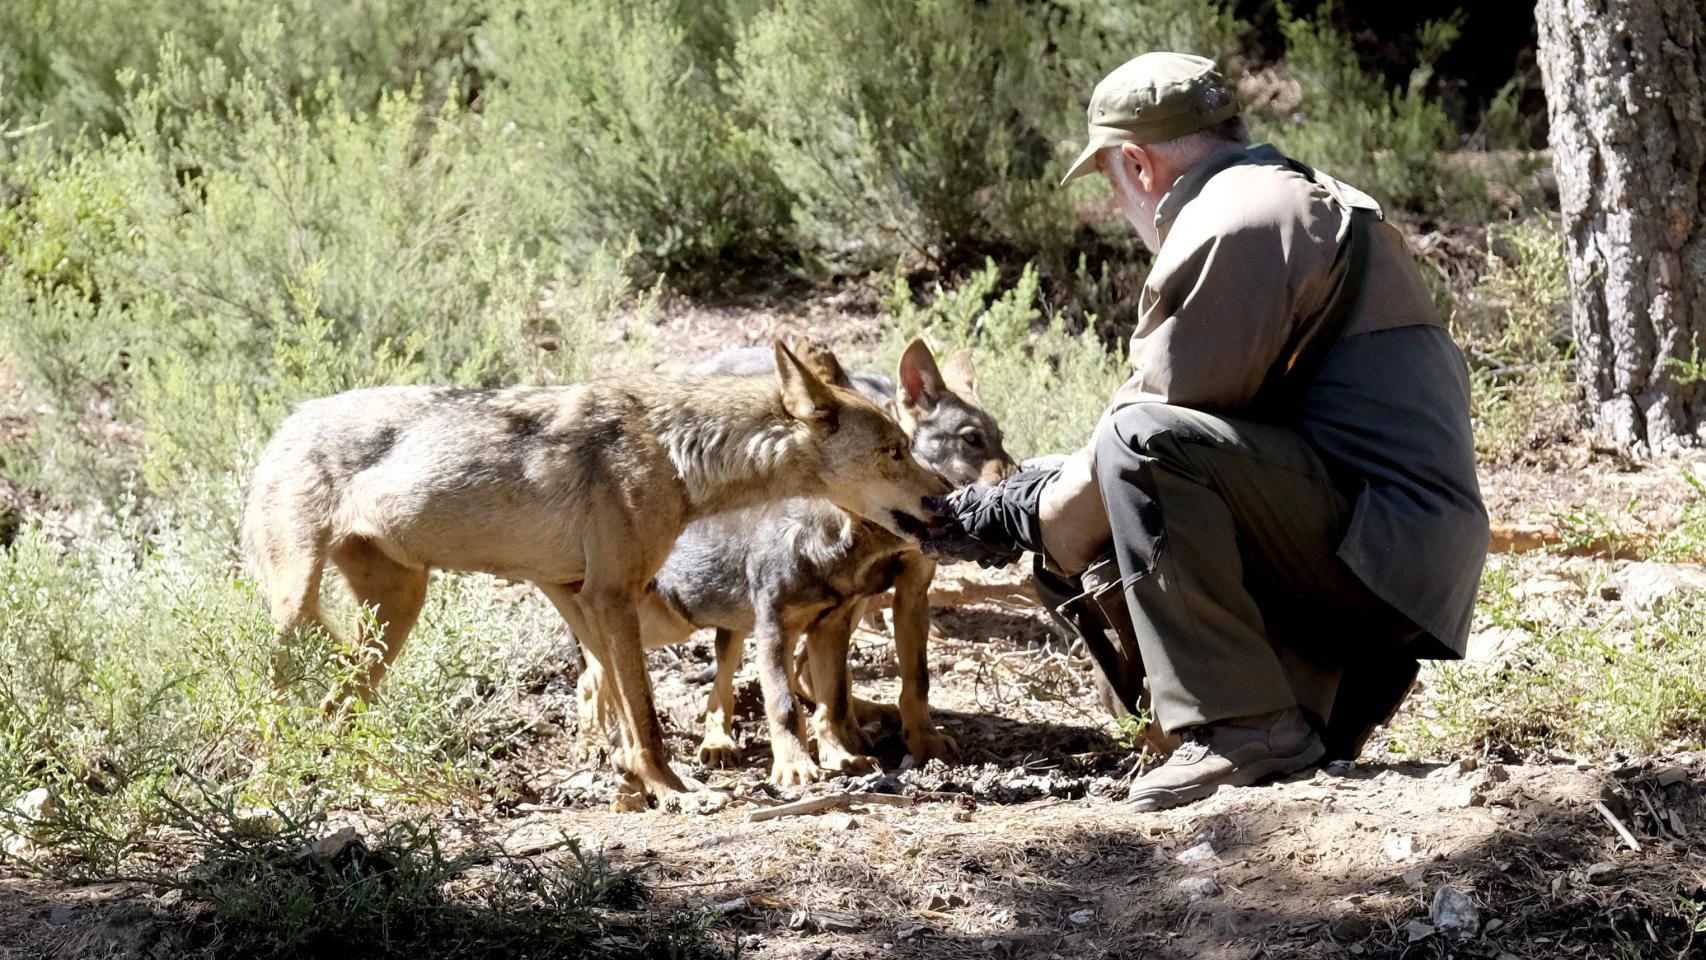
(1226, 534)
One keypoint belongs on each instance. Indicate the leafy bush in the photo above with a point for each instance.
(1553, 692)
(209, 268)
(1350, 125)
(1515, 329)
(627, 130)
(66, 59)
(935, 128)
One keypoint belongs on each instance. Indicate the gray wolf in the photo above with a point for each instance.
(806, 567)
(581, 490)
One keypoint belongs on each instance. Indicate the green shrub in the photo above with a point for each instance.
(1591, 685)
(211, 267)
(626, 129)
(1514, 327)
(934, 129)
(1383, 141)
(65, 58)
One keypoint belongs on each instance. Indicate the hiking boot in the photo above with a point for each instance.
(1237, 752)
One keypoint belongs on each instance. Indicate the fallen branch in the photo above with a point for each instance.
(831, 801)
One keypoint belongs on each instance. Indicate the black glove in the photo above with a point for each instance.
(990, 526)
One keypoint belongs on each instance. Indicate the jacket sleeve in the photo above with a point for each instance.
(1219, 305)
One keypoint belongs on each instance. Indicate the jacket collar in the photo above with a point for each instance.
(1191, 182)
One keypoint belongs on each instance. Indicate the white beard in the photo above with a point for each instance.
(1138, 210)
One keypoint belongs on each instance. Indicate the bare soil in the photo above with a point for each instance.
(1023, 846)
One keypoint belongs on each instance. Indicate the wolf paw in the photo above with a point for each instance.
(930, 744)
(848, 761)
(795, 772)
(695, 801)
(719, 752)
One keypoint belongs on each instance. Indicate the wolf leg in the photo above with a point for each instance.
(292, 587)
(396, 593)
(791, 763)
(841, 745)
(611, 635)
(719, 748)
(911, 640)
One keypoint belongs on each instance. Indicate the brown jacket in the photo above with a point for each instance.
(1251, 247)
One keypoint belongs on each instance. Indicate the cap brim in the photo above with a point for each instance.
(1085, 163)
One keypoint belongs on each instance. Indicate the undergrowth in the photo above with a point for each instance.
(1578, 681)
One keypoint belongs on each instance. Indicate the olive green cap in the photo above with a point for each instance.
(1152, 98)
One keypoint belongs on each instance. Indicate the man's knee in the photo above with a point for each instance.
(1141, 433)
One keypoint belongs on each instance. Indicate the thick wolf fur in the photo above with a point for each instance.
(809, 568)
(581, 489)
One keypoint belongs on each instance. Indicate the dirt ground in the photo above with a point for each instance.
(1023, 846)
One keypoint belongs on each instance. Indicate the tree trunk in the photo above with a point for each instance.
(1625, 88)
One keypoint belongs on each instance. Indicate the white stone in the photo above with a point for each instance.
(1647, 584)
(1455, 914)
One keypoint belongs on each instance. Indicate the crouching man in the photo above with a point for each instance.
(1278, 515)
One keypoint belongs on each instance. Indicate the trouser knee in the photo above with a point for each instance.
(1136, 435)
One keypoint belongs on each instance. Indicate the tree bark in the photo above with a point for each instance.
(1625, 88)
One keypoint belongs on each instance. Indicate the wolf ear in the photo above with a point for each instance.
(921, 384)
(820, 360)
(804, 395)
(961, 375)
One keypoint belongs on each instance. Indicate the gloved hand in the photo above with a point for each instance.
(990, 526)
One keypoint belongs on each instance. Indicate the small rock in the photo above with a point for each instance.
(63, 913)
(1602, 872)
(1201, 853)
(1418, 931)
(1346, 922)
(1496, 773)
(965, 666)
(1455, 914)
(1401, 847)
(1467, 795)
(840, 821)
(1669, 775)
(38, 804)
(1646, 585)
(1340, 768)
(1495, 645)
(328, 847)
(1082, 917)
(729, 906)
(1199, 888)
(1414, 876)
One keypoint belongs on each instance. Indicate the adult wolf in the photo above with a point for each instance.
(580, 489)
(807, 568)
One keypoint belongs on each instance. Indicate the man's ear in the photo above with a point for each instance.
(921, 384)
(804, 395)
(1143, 163)
(819, 359)
(961, 375)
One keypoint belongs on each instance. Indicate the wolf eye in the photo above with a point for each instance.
(972, 439)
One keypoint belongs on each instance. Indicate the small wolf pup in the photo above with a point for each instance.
(580, 489)
(807, 567)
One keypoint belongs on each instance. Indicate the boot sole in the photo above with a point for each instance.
(1247, 775)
